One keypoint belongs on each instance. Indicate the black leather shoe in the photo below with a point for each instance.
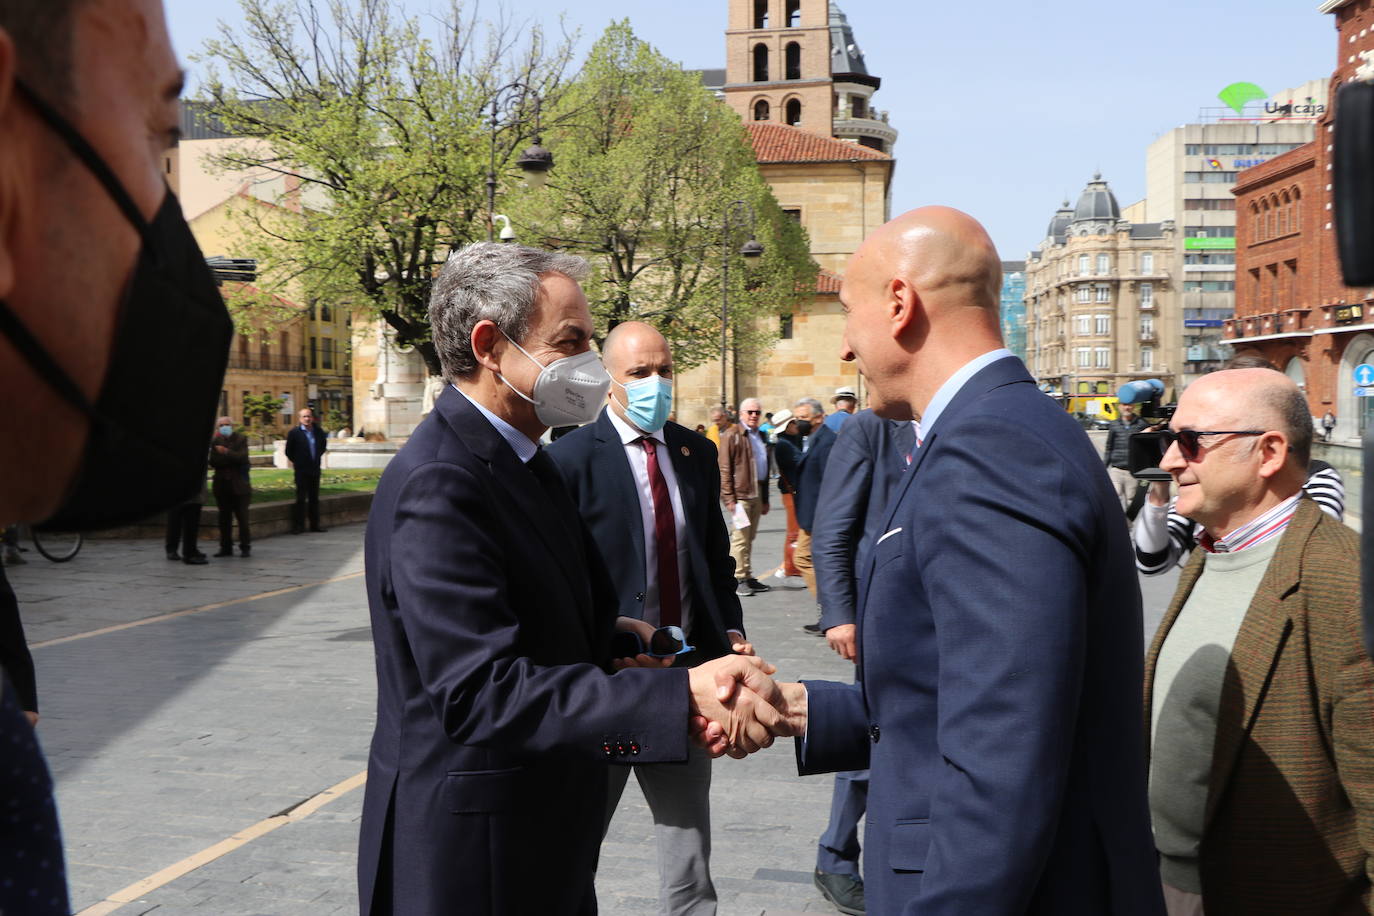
(845, 892)
(758, 586)
(319, 530)
(173, 555)
(815, 630)
(225, 552)
(245, 551)
(198, 559)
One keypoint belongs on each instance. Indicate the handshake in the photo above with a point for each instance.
(737, 708)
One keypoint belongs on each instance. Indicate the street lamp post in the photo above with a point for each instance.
(736, 212)
(535, 161)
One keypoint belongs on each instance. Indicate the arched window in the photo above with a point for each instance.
(793, 52)
(1297, 209)
(793, 13)
(760, 63)
(760, 14)
(1263, 226)
(793, 111)
(1282, 215)
(761, 110)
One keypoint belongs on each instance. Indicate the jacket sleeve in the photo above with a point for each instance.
(1006, 582)
(448, 578)
(717, 542)
(839, 523)
(1111, 444)
(725, 459)
(836, 729)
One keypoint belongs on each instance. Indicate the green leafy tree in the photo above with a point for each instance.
(260, 414)
(378, 120)
(648, 165)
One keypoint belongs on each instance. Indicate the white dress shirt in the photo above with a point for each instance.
(639, 467)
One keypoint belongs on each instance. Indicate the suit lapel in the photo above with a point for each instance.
(609, 459)
(1263, 634)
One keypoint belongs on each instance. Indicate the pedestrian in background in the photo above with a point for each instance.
(744, 463)
(845, 402)
(1328, 425)
(305, 446)
(787, 449)
(183, 530)
(1117, 454)
(232, 487)
(816, 446)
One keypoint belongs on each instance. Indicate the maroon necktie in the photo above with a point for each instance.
(665, 537)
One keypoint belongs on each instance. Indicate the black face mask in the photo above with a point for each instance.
(803, 428)
(152, 419)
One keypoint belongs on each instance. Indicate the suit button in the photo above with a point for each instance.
(874, 733)
(634, 748)
(606, 749)
(621, 750)
(639, 596)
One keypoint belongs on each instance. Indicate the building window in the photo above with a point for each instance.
(1147, 359)
(793, 13)
(761, 110)
(1147, 295)
(1104, 264)
(1083, 294)
(793, 110)
(1147, 262)
(1102, 358)
(760, 14)
(244, 402)
(326, 314)
(1104, 293)
(1210, 177)
(793, 214)
(858, 107)
(327, 346)
(1147, 326)
(1083, 260)
(786, 329)
(1193, 203)
(1083, 357)
(1210, 232)
(314, 358)
(792, 60)
(1102, 325)
(760, 63)
(1082, 325)
(285, 344)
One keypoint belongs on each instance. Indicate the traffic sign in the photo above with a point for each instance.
(1364, 392)
(1364, 375)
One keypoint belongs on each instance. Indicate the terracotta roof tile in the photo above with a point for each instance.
(784, 143)
(828, 282)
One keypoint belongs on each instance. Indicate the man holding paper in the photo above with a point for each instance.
(744, 489)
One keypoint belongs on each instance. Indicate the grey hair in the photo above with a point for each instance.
(42, 34)
(815, 405)
(490, 281)
(1296, 422)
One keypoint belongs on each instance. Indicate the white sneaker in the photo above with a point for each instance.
(778, 580)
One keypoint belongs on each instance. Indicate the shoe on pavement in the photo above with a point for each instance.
(319, 530)
(245, 551)
(743, 590)
(778, 580)
(845, 892)
(196, 559)
(815, 630)
(225, 552)
(757, 586)
(173, 555)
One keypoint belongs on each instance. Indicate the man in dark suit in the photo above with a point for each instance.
(305, 447)
(999, 629)
(865, 465)
(607, 468)
(816, 444)
(492, 621)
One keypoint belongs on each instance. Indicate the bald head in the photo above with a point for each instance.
(631, 341)
(1252, 399)
(945, 254)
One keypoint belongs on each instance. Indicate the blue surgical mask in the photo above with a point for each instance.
(226, 430)
(648, 401)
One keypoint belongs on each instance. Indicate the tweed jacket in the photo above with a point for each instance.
(1289, 820)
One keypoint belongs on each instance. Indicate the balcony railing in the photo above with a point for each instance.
(269, 363)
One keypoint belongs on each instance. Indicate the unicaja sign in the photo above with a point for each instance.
(1238, 95)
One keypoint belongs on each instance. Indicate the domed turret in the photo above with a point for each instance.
(1098, 203)
(1059, 225)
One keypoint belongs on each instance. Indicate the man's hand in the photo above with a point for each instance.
(841, 639)
(646, 633)
(1159, 493)
(738, 644)
(734, 693)
(221, 449)
(730, 506)
(763, 509)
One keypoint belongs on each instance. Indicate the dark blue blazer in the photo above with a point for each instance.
(486, 781)
(1001, 667)
(865, 465)
(594, 467)
(298, 449)
(810, 473)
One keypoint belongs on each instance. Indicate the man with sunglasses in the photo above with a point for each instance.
(744, 458)
(648, 491)
(1257, 688)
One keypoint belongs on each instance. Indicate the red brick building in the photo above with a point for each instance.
(1291, 305)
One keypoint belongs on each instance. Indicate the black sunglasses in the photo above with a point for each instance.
(1187, 439)
(666, 642)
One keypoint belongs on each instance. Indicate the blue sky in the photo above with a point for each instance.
(1004, 108)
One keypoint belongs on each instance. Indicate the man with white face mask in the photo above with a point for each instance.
(493, 617)
(672, 569)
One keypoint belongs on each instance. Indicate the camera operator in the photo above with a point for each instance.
(1117, 453)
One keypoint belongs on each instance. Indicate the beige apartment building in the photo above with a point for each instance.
(1101, 302)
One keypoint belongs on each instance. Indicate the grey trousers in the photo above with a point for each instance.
(679, 796)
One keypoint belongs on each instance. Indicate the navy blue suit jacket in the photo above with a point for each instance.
(298, 448)
(486, 781)
(810, 473)
(864, 467)
(594, 466)
(1001, 669)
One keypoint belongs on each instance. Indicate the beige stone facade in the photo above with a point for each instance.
(1101, 300)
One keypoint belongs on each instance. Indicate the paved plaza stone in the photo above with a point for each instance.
(188, 712)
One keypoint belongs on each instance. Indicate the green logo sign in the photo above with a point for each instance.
(1238, 95)
(1203, 244)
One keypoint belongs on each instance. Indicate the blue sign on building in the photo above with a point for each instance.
(1364, 375)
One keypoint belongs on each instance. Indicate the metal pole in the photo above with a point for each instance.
(491, 174)
(724, 296)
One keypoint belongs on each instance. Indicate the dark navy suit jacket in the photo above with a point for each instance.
(810, 473)
(594, 466)
(1001, 665)
(865, 465)
(298, 448)
(486, 782)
